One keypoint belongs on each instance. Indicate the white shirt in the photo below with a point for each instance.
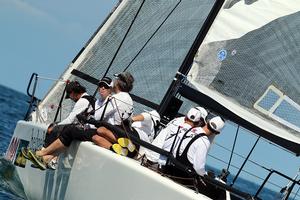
(197, 154)
(119, 107)
(184, 129)
(193, 132)
(99, 103)
(98, 112)
(78, 108)
(145, 128)
(99, 107)
(177, 121)
(160, 140)
(198, 150)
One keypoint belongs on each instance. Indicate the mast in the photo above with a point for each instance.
(187, 62)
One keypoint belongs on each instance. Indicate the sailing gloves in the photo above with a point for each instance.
(83, 119)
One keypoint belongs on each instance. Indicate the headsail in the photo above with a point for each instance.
(160, 33)
(250, 65)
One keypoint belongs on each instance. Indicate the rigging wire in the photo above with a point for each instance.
(120, 45)
(152, 36)
(233, 146)
(241, 156)
(267, 141)
(123, 125)
(296, 194)
(236, 167)
(247, 158)
(245, 171)
(287, 189)
(129, 28)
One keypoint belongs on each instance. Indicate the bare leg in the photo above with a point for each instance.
(107, 134)
(53, 149)
(101, 141)
(47, 158)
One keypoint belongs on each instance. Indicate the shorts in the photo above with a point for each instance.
(74, 132)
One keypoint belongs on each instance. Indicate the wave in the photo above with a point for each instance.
(9, 180)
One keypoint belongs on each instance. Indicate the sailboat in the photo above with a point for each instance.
(237, 58)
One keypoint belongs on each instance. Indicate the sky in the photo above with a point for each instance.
(44, 36)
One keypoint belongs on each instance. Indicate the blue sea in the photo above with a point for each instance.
(13, 107)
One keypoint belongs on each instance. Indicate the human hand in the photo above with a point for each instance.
(82, 118)
(50, 127)
(92, 120)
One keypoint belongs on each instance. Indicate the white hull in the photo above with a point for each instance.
(87, 171)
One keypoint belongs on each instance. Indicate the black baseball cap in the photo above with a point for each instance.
(106, 81)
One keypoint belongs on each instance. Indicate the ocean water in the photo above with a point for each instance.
(13, 107)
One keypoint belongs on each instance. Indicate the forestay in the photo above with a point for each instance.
(249, 63)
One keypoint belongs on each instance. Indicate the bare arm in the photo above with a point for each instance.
(78, 108)
(139, 117)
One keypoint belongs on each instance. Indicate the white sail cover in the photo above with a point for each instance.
(249, 63)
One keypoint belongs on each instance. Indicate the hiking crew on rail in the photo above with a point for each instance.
(111, 124)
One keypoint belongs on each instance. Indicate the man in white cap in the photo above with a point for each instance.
(174, 130)
(192, 151)
(203, 115)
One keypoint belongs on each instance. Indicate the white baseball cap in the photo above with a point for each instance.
(216, 124)
(203, 113)
(194, 115)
